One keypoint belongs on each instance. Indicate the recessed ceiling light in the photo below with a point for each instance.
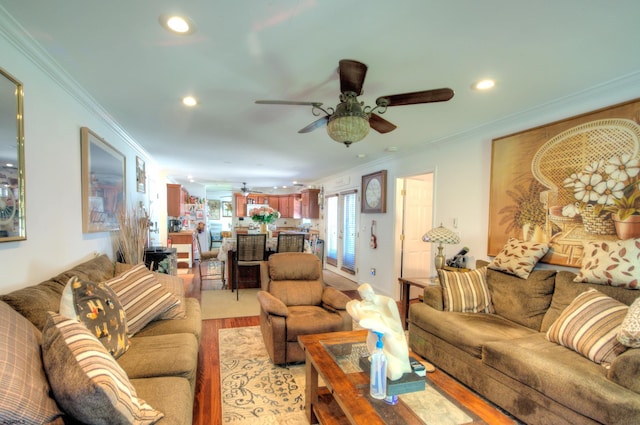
(189, 101)
(177, 24)
(485, 84)
(361, 155)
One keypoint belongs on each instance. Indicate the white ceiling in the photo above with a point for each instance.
(245, 50)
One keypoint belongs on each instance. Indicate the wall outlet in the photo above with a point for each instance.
(373, 272)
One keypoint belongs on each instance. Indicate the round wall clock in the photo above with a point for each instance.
(374, 192)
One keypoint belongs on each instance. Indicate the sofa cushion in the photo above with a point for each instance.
(564, 376)
(25, 395)
(525, 301)
(173, 284)
(629, 332)
(172, 393)
(615, 263)
(519, 258)
(566, 290)
(144, 299)
(467, 331)
(192, 323)
(33, 302)
(305, 320)
(97, 307)
(162, 355)
(86, 380)
(589, 326)
(465, 292)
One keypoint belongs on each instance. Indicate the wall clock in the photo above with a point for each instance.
(374, 192)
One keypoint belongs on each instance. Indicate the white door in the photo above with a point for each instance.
(417, 219)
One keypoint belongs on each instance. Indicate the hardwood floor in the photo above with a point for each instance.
(207, 408)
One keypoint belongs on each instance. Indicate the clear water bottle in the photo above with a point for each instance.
(378, 378)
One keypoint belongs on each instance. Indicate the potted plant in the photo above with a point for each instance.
(626, 212)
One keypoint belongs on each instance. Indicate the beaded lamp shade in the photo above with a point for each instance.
(441, 235)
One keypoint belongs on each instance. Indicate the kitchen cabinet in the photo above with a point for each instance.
(176, 200)
(310, 207)
(186, 247)
(285, 204)
(241, 205)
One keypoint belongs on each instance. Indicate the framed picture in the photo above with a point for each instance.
(103, 183)
(141, 176)
(374, 193)
(12, 170)
(213, 209)
(568, 182)
(227, 209)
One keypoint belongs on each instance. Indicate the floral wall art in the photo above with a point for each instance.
(568, 182)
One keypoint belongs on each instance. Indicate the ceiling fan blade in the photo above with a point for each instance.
(286, 102)
(316, 124)
(380, 125)
(427, 96)
(352, 75)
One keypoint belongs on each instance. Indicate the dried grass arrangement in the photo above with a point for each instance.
(130, 241)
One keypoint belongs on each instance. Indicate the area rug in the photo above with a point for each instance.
(256, 391)
(221, 303)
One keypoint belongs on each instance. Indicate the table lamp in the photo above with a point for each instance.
(441, 235)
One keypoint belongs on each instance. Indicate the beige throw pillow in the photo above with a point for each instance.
(519, 258)
(466, 292)
(86, 380)
(589, 326)
(615, 263)
(144, 299)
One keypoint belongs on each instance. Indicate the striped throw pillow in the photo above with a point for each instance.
(87, 382)
(589, 326)
(466, 292)
(143, 297)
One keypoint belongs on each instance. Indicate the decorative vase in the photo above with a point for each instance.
(264, 228)
(628, 228)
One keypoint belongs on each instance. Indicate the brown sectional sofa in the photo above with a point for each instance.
(506, 357)
(162, 359)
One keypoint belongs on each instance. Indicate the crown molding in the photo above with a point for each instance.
(20, 38)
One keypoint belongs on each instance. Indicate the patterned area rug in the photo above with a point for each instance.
(256, 391)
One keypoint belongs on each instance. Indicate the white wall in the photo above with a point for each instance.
(53, 116)
(462, 167)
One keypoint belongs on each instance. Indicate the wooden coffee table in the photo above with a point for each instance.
(346, 399)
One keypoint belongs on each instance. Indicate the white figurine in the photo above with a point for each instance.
(380, 313)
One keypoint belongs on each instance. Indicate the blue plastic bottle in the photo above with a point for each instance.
(378, 378)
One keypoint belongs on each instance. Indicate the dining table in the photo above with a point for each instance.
(229, 246)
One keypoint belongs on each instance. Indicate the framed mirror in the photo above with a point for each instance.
(12, 191)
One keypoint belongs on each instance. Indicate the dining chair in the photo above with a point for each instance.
(249, 253)
(214, 268)
(290, 242)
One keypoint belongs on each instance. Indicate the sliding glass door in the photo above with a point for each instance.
(342, 230)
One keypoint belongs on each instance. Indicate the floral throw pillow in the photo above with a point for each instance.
(629, 333)
(611, 263)
(519, 258)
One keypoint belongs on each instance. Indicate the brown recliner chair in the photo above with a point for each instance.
(297, 302)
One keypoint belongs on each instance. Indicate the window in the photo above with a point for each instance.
(342, 230)
(349, 230)
(332, 230)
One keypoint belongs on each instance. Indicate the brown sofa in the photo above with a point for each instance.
(297, 302)
(506, 357)
(162, 359)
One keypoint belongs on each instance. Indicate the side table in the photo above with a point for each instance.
(405, 288)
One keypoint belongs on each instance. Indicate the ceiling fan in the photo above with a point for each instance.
(350, 120)
(246, 191)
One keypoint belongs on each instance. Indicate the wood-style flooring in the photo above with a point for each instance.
(207, 405)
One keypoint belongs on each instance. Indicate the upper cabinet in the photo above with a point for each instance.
(310, 207)
(289, 206)
(176, 200)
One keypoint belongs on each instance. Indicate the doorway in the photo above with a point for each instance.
(417, 217)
